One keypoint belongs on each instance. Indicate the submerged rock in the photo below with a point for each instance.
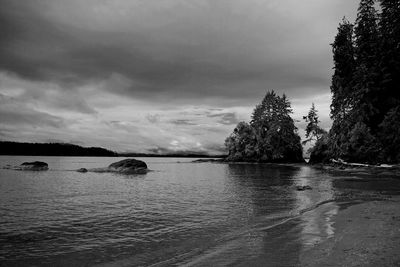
(82, 170)
(33, 166)
(128, 166)
(303, 187)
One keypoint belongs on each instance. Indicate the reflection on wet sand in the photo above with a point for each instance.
(265, 193)
(317, 223)
(299, 223)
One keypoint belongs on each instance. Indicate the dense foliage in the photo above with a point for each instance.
(365, 88)
(271, 136)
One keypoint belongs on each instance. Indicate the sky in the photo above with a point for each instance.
(160, 76)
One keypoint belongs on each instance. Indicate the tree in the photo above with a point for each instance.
(313, 131)
(365, 88)
(271, 135)
(389, 26)
(390, 136)
(343, 97)
(366, 76)
(241, 144)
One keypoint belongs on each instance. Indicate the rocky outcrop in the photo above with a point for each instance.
(128, 166)
(35, 166)
(30, 166)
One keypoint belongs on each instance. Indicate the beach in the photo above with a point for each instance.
(366, 234)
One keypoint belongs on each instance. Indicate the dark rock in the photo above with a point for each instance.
(82, 170)
(34, 166)
(8, 166)
(128, 166)
(303, 187)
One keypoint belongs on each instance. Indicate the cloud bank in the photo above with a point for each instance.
(170, 74)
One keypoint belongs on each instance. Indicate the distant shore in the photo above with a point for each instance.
(8, 148)
(366, 234)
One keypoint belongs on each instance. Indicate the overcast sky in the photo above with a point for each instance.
(159, 75)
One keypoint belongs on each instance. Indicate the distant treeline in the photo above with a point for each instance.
(172, 155)
(365, 88)
(64, 149)
(52, 149)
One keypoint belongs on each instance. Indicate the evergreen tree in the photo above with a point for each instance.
(241, 144)
(343, 96)
(389, 63)
(365, 88)
(313, 131)
(366, 85)
(389, 26)
(271, 135)
(390, 136)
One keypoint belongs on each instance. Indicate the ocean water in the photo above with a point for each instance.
(179, 214)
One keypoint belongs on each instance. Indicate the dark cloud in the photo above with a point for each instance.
(220, 49)
(132, 71)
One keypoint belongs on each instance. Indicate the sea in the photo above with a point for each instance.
(179, 214)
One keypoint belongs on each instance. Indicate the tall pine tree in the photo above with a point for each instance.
(389, 26)
(389, 63)
(343, 96)
(366, 77)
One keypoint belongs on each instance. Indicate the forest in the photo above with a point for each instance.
(52, 149)
(365, 108)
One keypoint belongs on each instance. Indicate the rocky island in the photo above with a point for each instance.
(30, 166)
(126, 166)
(271, 135)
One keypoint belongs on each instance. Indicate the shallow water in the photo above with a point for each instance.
(181, 213)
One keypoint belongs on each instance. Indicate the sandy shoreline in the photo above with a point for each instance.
(366, 234)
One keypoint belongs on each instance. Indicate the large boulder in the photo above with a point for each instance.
(33, 166)
(128, 166)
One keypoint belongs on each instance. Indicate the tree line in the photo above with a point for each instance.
(365, 87)
(365, 107)
(52, 149)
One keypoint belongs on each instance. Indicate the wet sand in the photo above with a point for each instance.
(366, 234)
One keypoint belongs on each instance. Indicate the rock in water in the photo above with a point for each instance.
(303, 187)
(128, 166)
(34, 166)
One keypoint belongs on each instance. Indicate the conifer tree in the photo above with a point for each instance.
(313, 131)
(365, 88)
(366, 77)
(273, 135)
(343, 96)
(389, 131)
(389, 27)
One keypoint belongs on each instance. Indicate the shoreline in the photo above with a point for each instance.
(366, 234)
(392, 171)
